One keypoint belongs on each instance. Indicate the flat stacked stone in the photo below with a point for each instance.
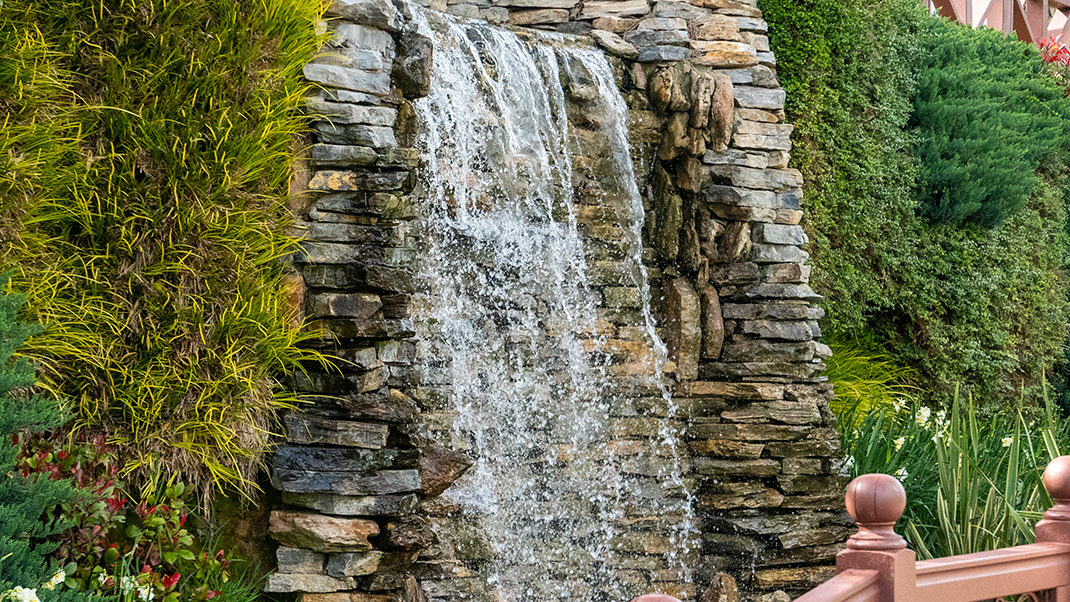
(739, 316)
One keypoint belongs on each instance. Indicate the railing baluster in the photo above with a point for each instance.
(876, 502)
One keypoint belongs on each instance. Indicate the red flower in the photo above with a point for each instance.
(169, 582)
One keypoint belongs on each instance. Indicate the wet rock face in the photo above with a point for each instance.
(363, 518)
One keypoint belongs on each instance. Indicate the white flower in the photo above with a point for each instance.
(899, 405)
(901, 474)
(1006, 441)
(56, 579)
(899, 443)
(127, 584)
(923, 415)
(21, 594)
(845, 470)
(102, 579)
(145, 593)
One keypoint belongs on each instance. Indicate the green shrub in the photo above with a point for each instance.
(986, 113)
(144, 214)
(26, 499)
(118, 544)
(847, 68)
(957, 303)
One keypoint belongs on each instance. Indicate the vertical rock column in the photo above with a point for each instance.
(352, 470)
(739, 315)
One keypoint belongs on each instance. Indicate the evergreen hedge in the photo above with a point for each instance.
(145, 155)
(986, 114)
(979, 299)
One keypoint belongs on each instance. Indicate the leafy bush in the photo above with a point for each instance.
(972, 485)
(121, 548)
(958, 303)
(847, 68)
(144, 165)
(25, 500)
(986, 114)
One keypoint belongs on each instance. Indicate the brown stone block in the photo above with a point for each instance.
(322, 533)
(796, 578)
(309, 429)
(348, 597)
(823, 535)
(812, 447)
(810, 484)
(767, 498)
(771, 433)
(735, 468)
(684, 330)
(744, 391)
(718, 448)
(757, 350)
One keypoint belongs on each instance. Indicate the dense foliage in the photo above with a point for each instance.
(986, 114)
(974, 302)
(145, 153)
(25, 500)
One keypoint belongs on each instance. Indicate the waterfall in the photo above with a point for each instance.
(515, 362)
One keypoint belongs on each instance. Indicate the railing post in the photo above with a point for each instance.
(876, 502)
(1055, 527)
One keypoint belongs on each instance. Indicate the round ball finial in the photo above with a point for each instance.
(655, 598)
(1057, 478)
(876, 502)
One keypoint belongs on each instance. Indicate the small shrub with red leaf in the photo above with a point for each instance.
(118, 547)
(1057, 55)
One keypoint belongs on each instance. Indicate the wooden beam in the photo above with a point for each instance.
(1007, 24)
(1036, 14)
(1021, 20)
(992, 15)
(947, 9)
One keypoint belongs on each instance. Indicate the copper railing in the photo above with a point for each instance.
(1031, 20)
(876, 565)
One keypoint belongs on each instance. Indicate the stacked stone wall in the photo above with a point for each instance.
(360, 483)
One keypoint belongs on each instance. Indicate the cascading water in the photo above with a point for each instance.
(511, 330)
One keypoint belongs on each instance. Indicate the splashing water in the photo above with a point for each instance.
(512, 332)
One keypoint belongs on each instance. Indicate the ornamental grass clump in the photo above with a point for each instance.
(866, 380)
(144, 166)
